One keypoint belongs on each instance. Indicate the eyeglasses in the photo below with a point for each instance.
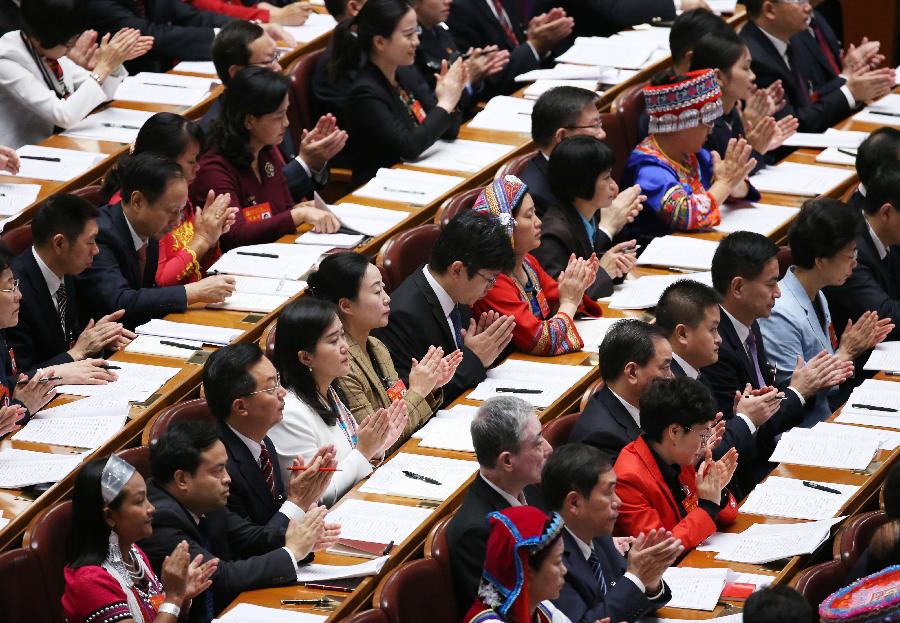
(268, 390)
(13, 289)
(705, 434)
(792, 2)
(272, 61)
(490, 280)
(597, 125)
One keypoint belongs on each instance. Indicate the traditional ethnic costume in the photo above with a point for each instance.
(541, 329)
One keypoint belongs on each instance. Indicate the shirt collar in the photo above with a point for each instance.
(879, 245)
(254, 447)
(447, 303)
(689, 370)
(513, 501)
(585, 549)
(53, 282)
(589, 226)
(136, 240)
(861, 189)
(633, 411)
(669, 471)
(780, 46)
(740, 328)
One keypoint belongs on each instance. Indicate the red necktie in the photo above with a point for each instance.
(142, 261)
(826, 49)
(503, 16)
(265, 464)
(55, 67)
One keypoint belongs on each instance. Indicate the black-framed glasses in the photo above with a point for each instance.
(597, 125)
(491, 280)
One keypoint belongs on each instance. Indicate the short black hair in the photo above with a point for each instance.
(628, 340)
(232, 46)
(478, 241)
(689, 27)
(741, 254)
(179, 448)
(88, 542)
(150, 174)
(558, 108)
(778, 604)
(336, 8)
(575, 164)
(572, 467)
(822, 229)
(226, 376)
(892, 493)
(884, 187)
(680, 400)
(684, 302)
(718, 50)
(881, 146)
(754, 8)
(61, 214)
(339, 276)
(53, 22)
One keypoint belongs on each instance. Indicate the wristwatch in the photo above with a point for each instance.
(96, 78)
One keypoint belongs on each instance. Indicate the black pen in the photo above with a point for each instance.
(180, 345)
(321, 602)
(44, 158)
(884, 114)
(857, 405)
(387, 549)
(818, 487)
(517, 390)
(43, 380)
(107, 367)
(171, 86)
(120, 125)
(416, 476)
(269, 255)
(847, 152)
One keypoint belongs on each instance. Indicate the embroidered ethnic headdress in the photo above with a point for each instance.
(516, 533)
(501, 199)
(685, 104)
(874, 598)
(116, 474)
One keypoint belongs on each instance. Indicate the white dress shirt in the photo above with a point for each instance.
(633, 411)
(53, 282)
(586, 550)
(512, 501)
(880, 247)
(692, 372)
(447, 303)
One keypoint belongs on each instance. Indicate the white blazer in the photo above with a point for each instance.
(30, 108)
(302, 431)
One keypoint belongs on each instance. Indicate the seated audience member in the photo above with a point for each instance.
(244, 162)
(658, 468)
(579, 483)
(590, 218)
(823, 247)
(602, 18)
(880, 147)
(544, 310)
(522, 568)
(632, 354)
(777, 604)
(558, 113)
(395, 115)
(123, 274)
(745, 274)
(243, 44)
(354, 285)
(243, 392)
(774, 37)
(186, 252)
(727, 54)
(107, 576)
(511, 452)
(310, 354)
(883, 549)
(189, 491)
(477, 24)
(683, 182)
(54, 72)
(329, 89)
(294, 14)
(431, 307)
(49, 332)
(874, 284)
(436, 45)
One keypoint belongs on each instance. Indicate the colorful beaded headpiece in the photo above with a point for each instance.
(874, 598)
(501, 199)
(685, 104)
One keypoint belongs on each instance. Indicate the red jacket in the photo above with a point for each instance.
(647, 502)
(231, 9)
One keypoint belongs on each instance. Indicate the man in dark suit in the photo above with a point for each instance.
(189, 491)
(881, 146)
(602, 18)
(123, 274)
(579, 483)
(478, 24)
(778, 54)
(632, 354)
(431, 307)
(511, 452)
(241, 44)
(244, 393)
(49, 332)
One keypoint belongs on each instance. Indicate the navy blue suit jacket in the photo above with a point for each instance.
(606, 424)
(249, 495)
(535, 174)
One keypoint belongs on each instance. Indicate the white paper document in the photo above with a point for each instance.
(390, 479)
(762, 543)
(730, 618)
(885, 356)
(790, 498)
(368, 220)
(505, 114)
(405, 186)
(722, 6)
(566, 71)
(377, 522)
(718, 542)
(16, 197)
(540, 384)
(316, 25)
(679, 252)
(695, 588)
(316, 572)
(885, 111)
(96, 406)
(80, 432)
(761, 218)
(534, 90)
(257, 303)
(834, 155)
(459, 417)
(801, 446)
(794, 178)
(171, 89)
(136, 382)
(886, 439)
(120, 125)
(22, 468)
(330, 241)
(461, 155)
(607, 52)
(271, 287)
(219, 336)
(251, 613)
(52, 163)
(206, 68)
(270, 260)
(448, 437)
(847, 139)
(872, 393)
(593, 330)
(644, 292)
(153, 345)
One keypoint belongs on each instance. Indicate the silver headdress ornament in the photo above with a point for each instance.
(116, 474)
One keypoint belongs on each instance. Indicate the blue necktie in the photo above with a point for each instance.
(209, 608)
(456, 319)
(597, 568)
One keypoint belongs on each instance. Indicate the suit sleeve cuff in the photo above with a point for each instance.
(847, 94)
(317, 176)
(293, 561)
(291, 511)
(748, 422)
(636, 581)
(537, 56)
(799, 396)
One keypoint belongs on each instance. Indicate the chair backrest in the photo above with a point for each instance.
(93, 193)
(456, 204)
(592, 389)
(855, 535)
(18, 239)
(630, 104)
(785, 259)
(436, 545)
(139, 458)
(46, 537)
(819, 581)
(403, 254)
(618, 140)
(22, 596)
(268, 340)
(557, 431)
(515, 166)
(188, 411)
(849, 192)
(418, 591)
(375, 615)
(300, 98)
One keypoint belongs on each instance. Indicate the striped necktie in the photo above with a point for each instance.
(597, 568)
(265, 464)
(62, 302)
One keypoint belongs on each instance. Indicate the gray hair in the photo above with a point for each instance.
(498, 427)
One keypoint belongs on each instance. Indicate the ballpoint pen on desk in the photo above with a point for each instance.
(109, 367)
(416, 476)
(818, 487)
(120, 125)
(44, 158)
(883, 113)
(180, 345)
(43, 380)
(404, 190)
(171, 86)
(517, 390)
(320, 602)
(847, 152)
(254, 254)
(387, 549)
(857, 405)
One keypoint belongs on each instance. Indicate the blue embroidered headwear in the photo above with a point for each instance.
(501, 199)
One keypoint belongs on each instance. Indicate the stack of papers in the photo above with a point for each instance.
(317, 573)
(367, 219)
(251, 613)
(390, 479)
(540, 384)
(762, 543)
(886, 439)
(730, 618)
(593, 330)
(317, 24)
(153, 345)
(505, 114)
(206, 68)
(566, 72)
(449, 429)
(270, 260)
(51, 163)
(803, 446)
(16, 197)
(807, 180)
(374, 522)
(330, 241)
(405, 186)
(834, 155)
(136, 382)
(760, 218)
(722, 6)
(679, 252)
(172, 89)
(79, 432)
(217, 336)
(21, 468)
(120, 125)
(694, 588)
(644, 292)
(538, 88)
(885, 356)
(257, 294)
(872, 393)
(885, 111)
(462, 155)
(607, 52)
(96, 406)
(846, 139)
(790, 498)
